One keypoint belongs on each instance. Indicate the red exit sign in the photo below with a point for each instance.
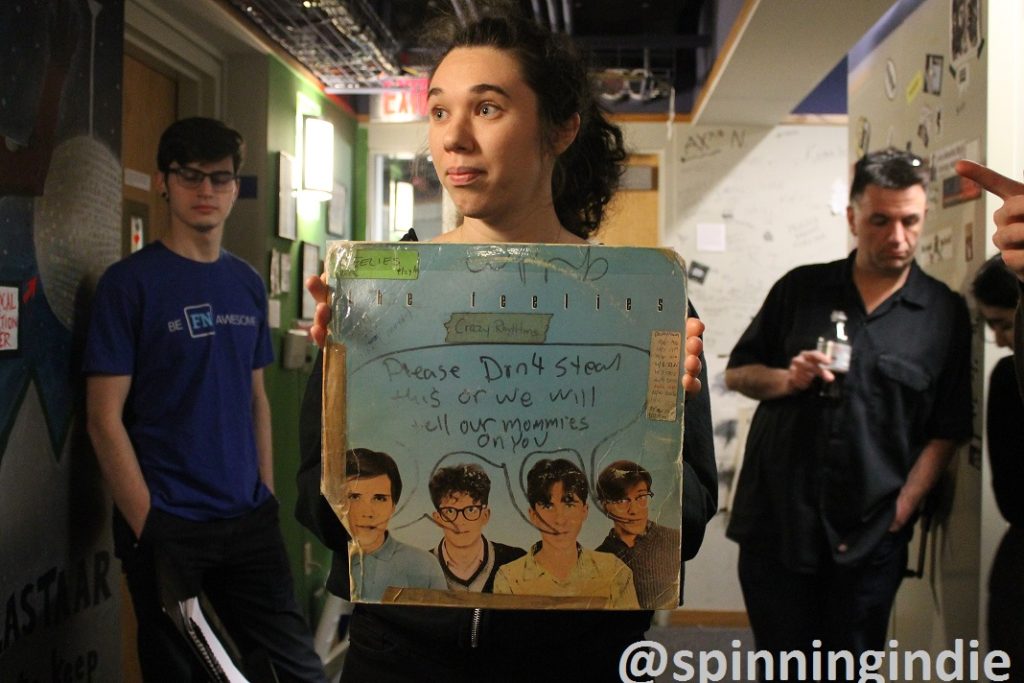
(407, 102)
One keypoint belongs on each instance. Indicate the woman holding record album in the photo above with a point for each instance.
(521, 146)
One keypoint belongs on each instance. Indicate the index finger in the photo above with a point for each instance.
(694, 327)
(318, 288)
(996, 183)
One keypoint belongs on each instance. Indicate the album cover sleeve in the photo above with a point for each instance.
(503, 423)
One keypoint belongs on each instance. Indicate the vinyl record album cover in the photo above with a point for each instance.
(503, 423)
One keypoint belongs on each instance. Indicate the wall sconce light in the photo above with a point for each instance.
(317, 158)
(404, 206)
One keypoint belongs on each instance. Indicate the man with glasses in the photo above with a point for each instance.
(377, 560)
(862, 370)
(180, 422)
(469, 560)
(650, 550)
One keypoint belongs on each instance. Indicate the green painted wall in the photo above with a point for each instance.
(262, 102)
(361, 183)
(286, 387)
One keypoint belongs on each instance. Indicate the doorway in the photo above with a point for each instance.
(631, 218)
(149, 105)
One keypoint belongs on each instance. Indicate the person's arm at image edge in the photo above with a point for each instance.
(1009, 218)
(1009, 236)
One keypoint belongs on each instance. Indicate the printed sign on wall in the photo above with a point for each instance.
(10, 310)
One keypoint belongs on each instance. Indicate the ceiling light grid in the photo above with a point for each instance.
(343, 42)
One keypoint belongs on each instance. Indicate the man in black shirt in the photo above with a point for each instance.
(863, 372)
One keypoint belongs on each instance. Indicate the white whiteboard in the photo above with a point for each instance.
(779, 195)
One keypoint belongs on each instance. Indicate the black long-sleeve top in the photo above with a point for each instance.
(498, 633)
(1004, 418)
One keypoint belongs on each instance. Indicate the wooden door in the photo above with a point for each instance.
(149, 102)
(632, 216)
(149, 105)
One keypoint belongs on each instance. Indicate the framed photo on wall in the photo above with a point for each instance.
(286, 272)
(337, 213)
(285, 196)
(310, 266)
(933, 69)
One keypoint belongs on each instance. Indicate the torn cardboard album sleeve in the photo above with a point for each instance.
(503, 423)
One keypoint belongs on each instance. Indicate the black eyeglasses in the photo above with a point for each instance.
(193, 178)
(470, 512)
(641, 499)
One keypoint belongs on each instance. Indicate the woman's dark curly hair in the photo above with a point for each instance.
(586, 174)
(995, 285)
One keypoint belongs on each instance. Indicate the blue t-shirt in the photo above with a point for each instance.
(190, 334)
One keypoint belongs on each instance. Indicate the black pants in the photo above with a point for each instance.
(845, 608)
(515, 646)
(242, 567)
(1006, 601)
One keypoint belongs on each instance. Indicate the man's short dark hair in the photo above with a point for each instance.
(890, 168)
(362, 463)
(469, 479)
(199, 139)
(995, 285)
(546, 473)
(619, 477)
